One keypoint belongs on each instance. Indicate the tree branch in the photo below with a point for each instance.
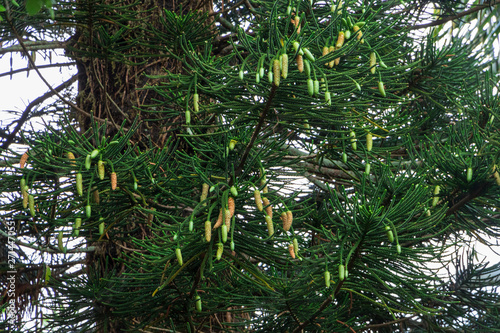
(32, 63)
(220, 12)
(45, 249)
(452, 18)
(389, 323)
(256, 132)
(25, 116)
(472, 194)
(34, 46)
(21, 70)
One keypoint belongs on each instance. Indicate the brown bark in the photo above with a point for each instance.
(110, 89)
(110, 83)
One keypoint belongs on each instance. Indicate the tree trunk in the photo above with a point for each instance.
(115, 53)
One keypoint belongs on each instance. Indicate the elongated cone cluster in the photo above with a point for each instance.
(435, 199)
(224, 233)
(341, 272)
(231, 206)
(100, 169)
(338, 45)
(76, 227)
(324, 53)
(196, 99)
(198, 303)
(234, 191)
(390, 235)
(204, 193)
(95, 195)
(88, 162)
(300, 63)
(114, 181)
(258, 200)
(270, 225)
(178, 254)
(149, 219)
(340, 40)
(381, 88)
(287, 218)
(220, 249)
(284, 65)
(296, 23)
(218, 223)
(228, 214)
(327, 279)
(373, 62)
(233, 142)
(48, 274)
(269, 208)
(25, 195)
(71, 158)
(276, 72)
(60, 241)
(227, 219)
(358, 33)
(352, 134)
(296, 246)
(310, 87)
(291, 251)
(369, 142)
(283, 219)
(23, 160)
(497, 177)
(31, 204)
(330, 50)
(79, 184)
(208, 231)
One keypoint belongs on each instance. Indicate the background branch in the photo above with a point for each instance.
(34, 46)
(21, 70)
(26, 114)
(462, 14)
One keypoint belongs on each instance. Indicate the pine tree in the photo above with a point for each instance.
(272, 166)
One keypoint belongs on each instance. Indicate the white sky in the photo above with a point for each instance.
(17, 93)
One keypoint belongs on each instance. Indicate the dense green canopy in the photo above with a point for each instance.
(258, 166)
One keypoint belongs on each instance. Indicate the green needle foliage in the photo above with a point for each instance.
(201, 137)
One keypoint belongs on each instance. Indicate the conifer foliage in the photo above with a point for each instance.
(258, 166)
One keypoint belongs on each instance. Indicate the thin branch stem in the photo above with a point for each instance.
(220, 12)
(256, 132)
(330, 298)
(45, 249)
(389, 323)
(26, 113)
(462, 14)
(34, 46)
(21, 70)
(472, 194)
(32, 63)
